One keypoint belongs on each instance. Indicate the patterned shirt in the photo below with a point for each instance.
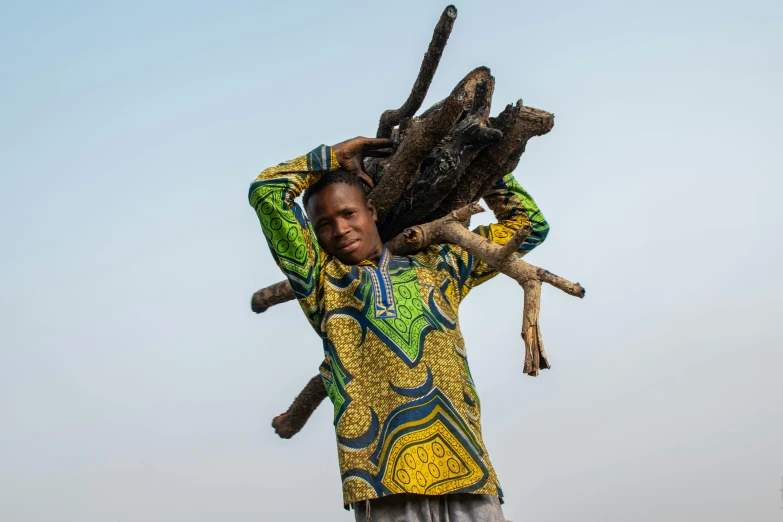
(406, 412)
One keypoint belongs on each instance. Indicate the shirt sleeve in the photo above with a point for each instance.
(288, 232)
(513, 208)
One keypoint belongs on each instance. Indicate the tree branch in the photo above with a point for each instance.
(429, 65)
(535, 355)
(277, 293)
(451, 229)
(289, 423)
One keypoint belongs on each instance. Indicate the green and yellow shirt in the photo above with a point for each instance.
(406, 412)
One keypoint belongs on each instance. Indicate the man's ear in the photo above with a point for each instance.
(372, 209)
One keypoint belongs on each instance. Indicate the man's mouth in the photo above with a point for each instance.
(348, 246)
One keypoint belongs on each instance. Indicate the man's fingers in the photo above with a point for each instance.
(378, 153)
(364, 177)
(377, 143)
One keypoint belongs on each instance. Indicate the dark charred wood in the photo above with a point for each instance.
(402, 167)
(443, 168)
(518, 124)
(417, 143)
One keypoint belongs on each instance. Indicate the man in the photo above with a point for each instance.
(406, 411)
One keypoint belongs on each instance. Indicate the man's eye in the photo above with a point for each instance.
(348, 213)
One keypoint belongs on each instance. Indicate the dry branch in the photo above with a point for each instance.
(429, 65)
(451, 229)
(277, 293)
(535, 355)
(289, 423)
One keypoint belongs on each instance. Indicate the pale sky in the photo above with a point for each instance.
(137, 385)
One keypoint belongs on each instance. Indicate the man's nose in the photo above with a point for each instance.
(341, 227)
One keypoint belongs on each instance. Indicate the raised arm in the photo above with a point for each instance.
(286, 227)
(288, 231)
(513, 208)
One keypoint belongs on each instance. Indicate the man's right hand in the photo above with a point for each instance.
(351, 153)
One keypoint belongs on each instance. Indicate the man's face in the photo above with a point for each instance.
(344, 223)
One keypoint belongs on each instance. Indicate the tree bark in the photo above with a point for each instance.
(277, 293)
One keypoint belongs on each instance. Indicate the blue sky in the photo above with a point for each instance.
(135, 383)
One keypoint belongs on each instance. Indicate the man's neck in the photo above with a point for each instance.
(375, 257)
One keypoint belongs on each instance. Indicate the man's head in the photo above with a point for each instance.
(343, 217)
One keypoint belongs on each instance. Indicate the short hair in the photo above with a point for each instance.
(335, 176)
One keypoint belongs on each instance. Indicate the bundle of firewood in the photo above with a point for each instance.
(444, 160)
